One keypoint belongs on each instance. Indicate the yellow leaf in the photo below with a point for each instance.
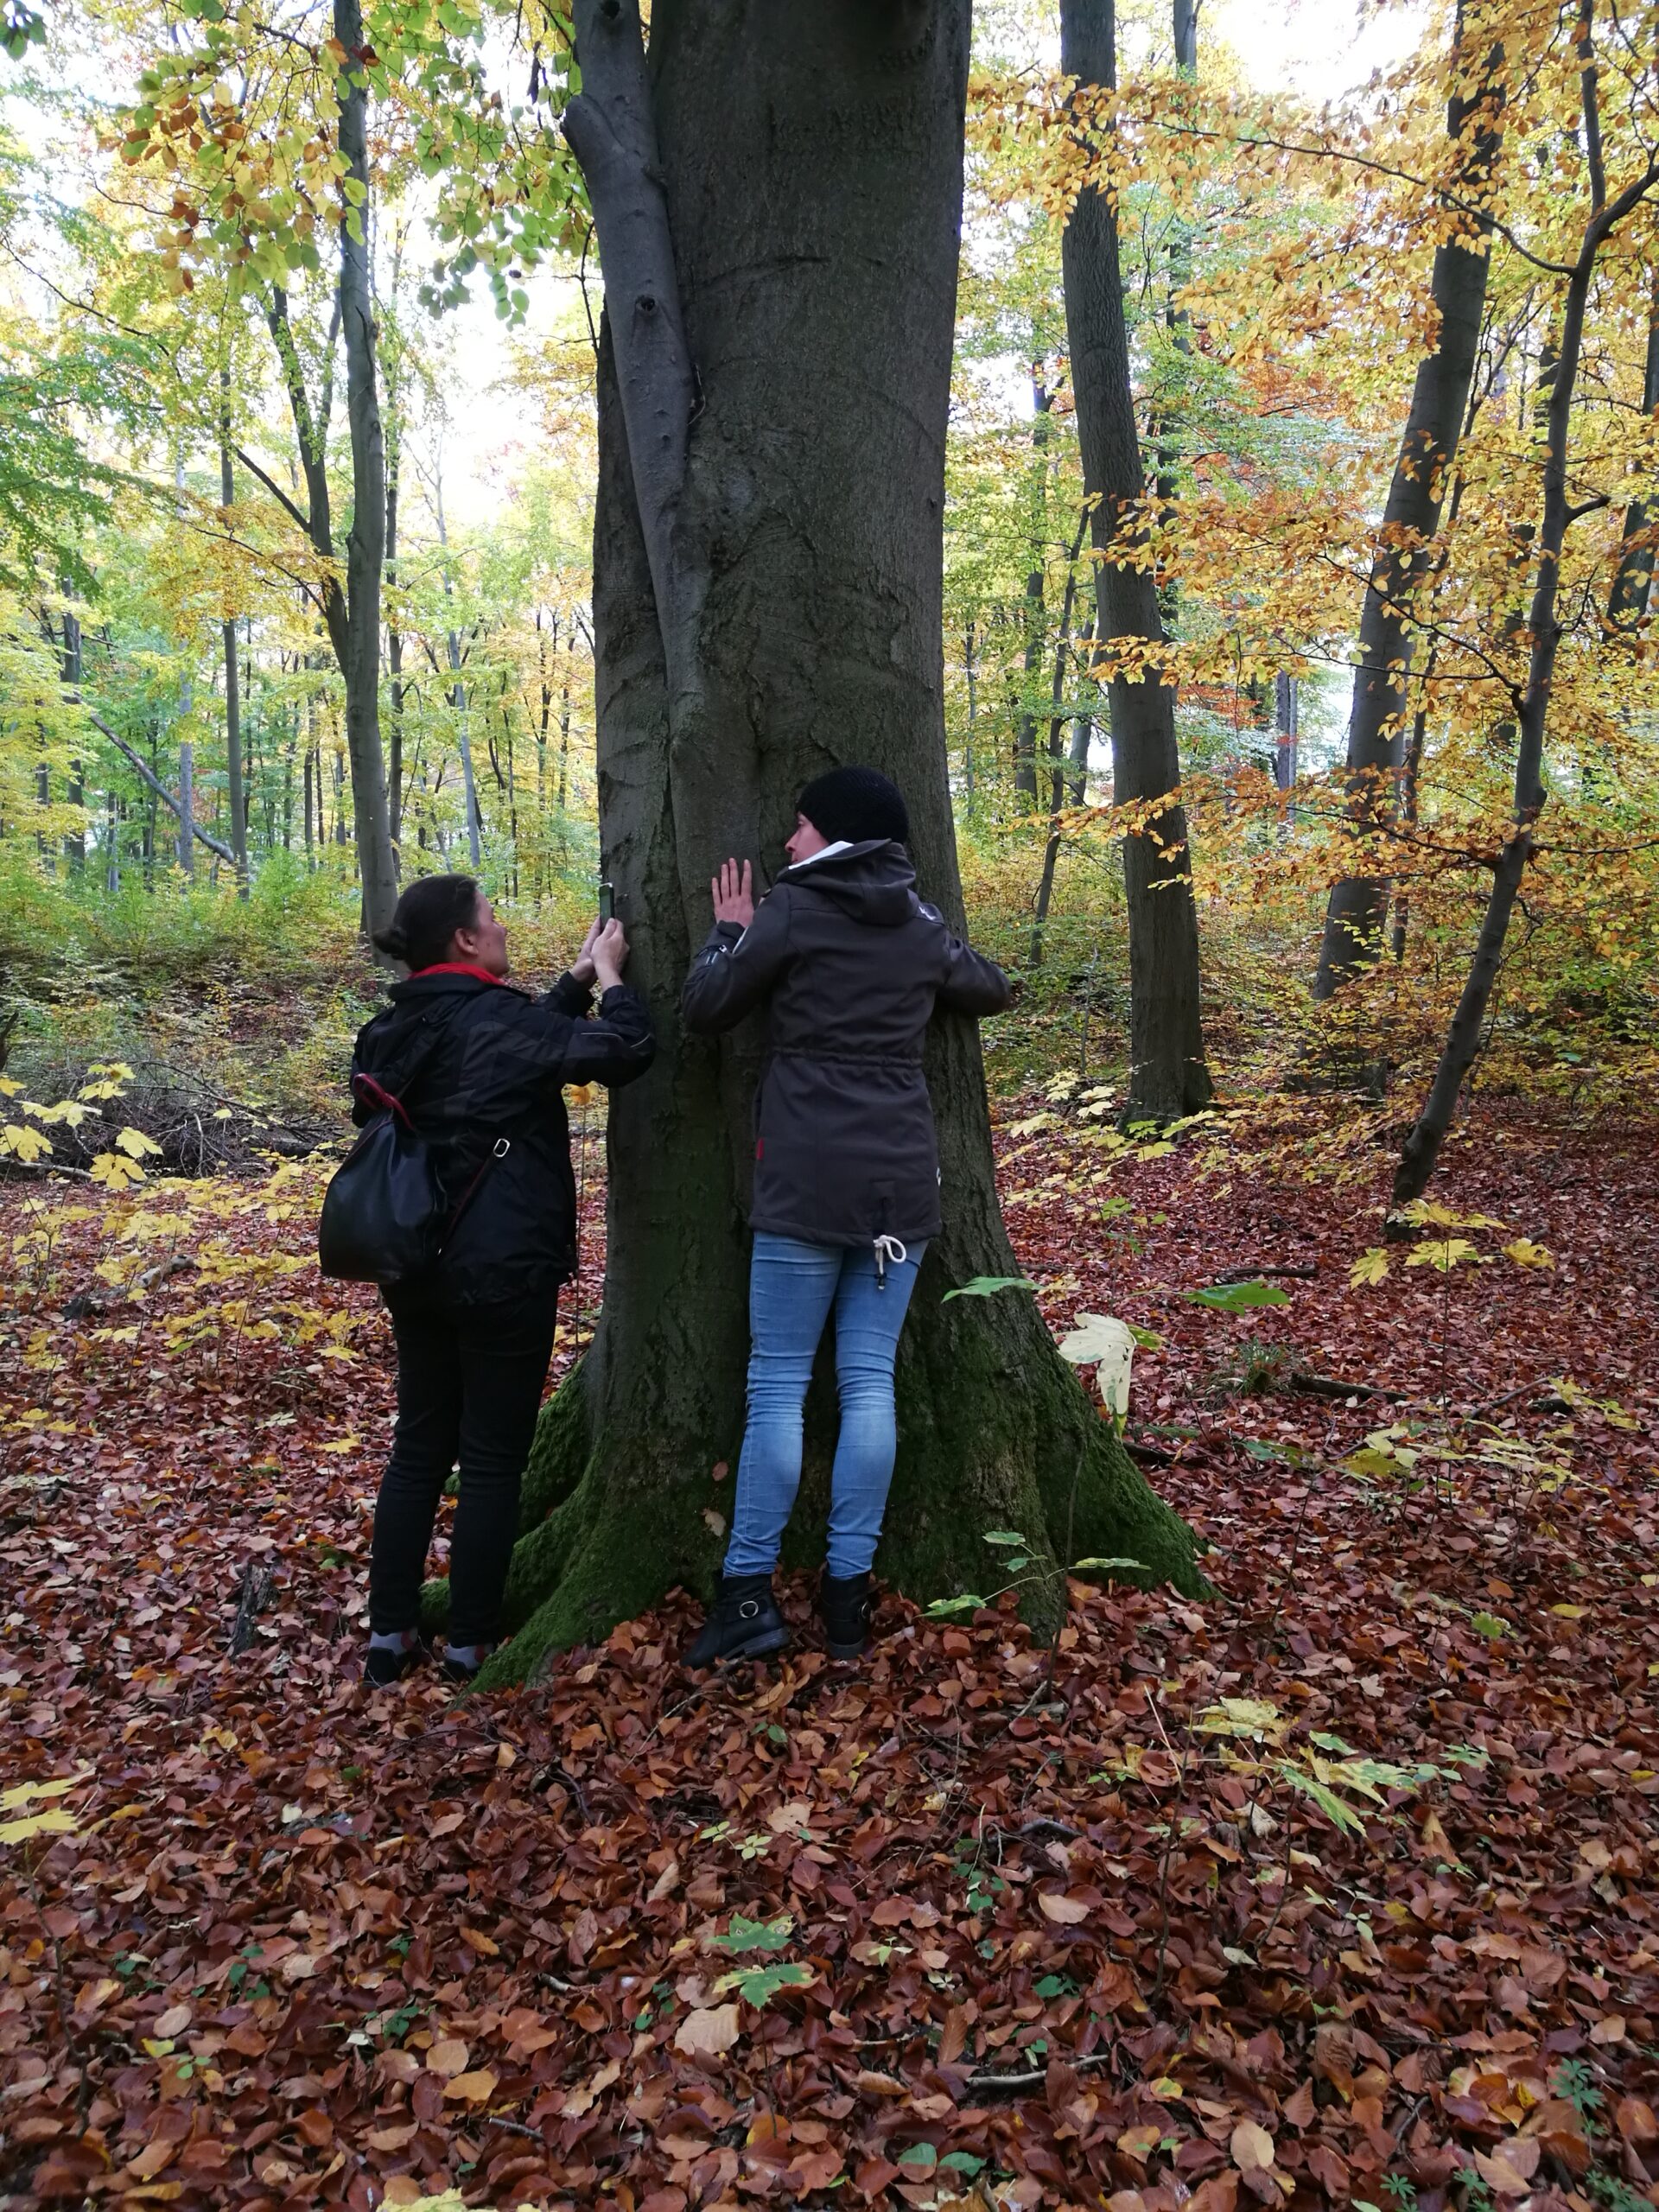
(1571, 1612)
(54, 1823)
(1526, 1254)
(474, 2088)
(114, 1172)
(342, 1443)
(1369, 1267)
(136, 1144)
(23, 1793)
(23, 1143)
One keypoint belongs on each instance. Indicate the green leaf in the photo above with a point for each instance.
(962, 2162)
(920, 2155)
(1489, 1625)
(757, 1986)
(986, 1287)
(1107, 1566)
(755, 1935)
(1237, 1297)
(944, 1609)
(1005, 1536)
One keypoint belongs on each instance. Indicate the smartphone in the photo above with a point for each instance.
(606, 901)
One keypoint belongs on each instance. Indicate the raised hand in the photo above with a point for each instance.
(610, 954)
(581, 967)
(733, 894)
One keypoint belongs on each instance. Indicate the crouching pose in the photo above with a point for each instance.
(849, 964)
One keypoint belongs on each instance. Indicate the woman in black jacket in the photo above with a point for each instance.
(479, 1066)
(849, 965)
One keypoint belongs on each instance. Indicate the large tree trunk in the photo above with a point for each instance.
(1168, 1075)
(1358, 906)
(1627, 603)
(780, 612)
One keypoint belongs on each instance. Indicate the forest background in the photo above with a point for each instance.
(178, 496)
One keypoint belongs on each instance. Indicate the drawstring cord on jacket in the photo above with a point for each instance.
(888, 1247)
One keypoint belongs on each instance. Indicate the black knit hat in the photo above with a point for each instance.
(857, 805)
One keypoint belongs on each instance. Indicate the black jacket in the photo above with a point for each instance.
(849, 964)
(484, 1063)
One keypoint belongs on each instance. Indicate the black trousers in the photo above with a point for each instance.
(469, 1385)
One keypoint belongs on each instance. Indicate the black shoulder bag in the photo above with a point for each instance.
(387, 1215)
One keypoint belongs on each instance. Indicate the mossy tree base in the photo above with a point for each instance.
(995, 1432)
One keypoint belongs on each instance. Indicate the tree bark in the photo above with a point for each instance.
(1358, 908)
(812, 161)
(1168, 1075)
(366, 541)
(1025, 727)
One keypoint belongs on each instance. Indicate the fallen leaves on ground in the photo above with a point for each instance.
(980, 1924)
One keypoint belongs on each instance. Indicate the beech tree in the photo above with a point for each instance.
(1358, 905)
(777, 201)
(1168, 1076)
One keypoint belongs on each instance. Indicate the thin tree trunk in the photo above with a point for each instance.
(187, 808)
(1357, 907)
(1056, 755)
(394, 644)
(1168, 1075)
(75, 843)
(848, 239)
(1024, 729)
(232, 684)
(1423, 1145)
(1627, 603)
(970, 794)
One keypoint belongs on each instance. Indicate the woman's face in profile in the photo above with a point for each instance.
(485, 944)
(805, 842)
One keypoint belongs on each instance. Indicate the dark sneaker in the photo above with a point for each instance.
(743, 1623)
(456, 1669)
(844, 1607)
(382, 1666)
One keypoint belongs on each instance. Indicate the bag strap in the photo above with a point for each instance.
(388, 1102)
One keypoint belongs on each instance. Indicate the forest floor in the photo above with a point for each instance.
(1340, 1887)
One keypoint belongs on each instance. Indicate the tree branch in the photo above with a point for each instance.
(274, 488)
(153, 781)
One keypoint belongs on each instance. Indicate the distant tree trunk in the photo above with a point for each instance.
(1358, 908)
(394, 647)
(768, 601)
(1025, 727)
(232, 684)
(112, 860)
(75, 843)
(1627, 603)
(1286, 723)
(1423, 1145)
(187, 808)
(1055, 756)
(1168, 1075)
(1185, 39)
(970, 793)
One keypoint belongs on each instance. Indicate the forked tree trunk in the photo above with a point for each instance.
(1358, 906)
(780, 612)
(1169, 1076)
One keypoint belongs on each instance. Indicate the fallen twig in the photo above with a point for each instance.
(1331, 1386)
(984, 2084)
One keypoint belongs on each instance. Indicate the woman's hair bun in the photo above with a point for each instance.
(426, 917)
(393, 941)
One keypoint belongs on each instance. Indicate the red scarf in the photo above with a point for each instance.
(456, 968)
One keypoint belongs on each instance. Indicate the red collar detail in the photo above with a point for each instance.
(456, 968)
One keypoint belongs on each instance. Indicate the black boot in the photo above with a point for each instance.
(743, 1623)
(844, 1607)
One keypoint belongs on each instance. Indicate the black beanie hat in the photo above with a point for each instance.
(858, 804)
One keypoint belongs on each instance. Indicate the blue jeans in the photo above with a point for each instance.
(792, 1288)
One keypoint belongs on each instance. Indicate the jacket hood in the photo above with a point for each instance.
(873, 882)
